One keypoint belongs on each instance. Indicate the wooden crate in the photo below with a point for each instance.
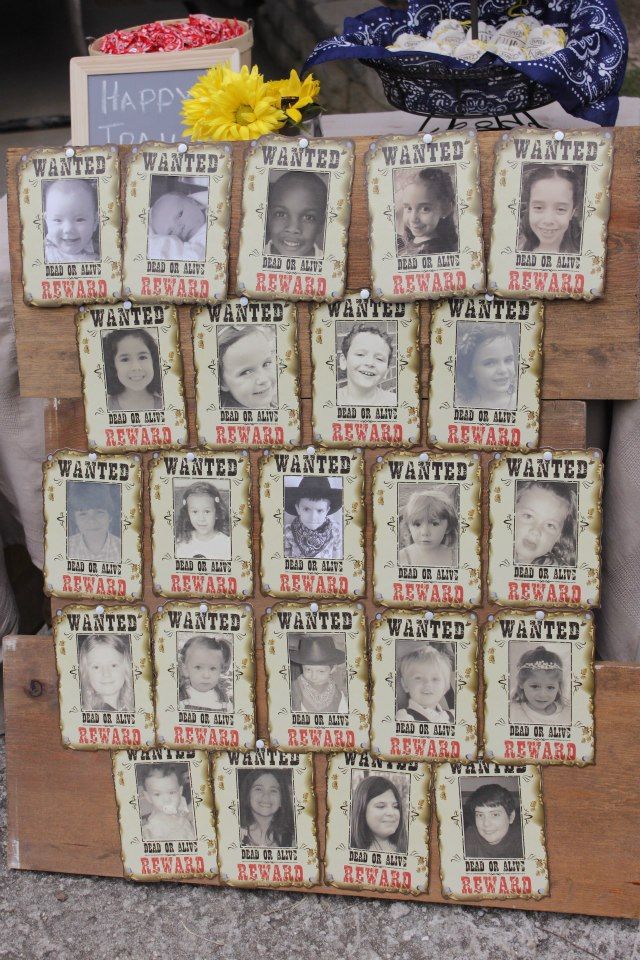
(62, 812)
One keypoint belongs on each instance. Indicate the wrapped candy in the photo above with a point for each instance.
(413, 41)
(543, 41)
(198, 30)
(470, 50)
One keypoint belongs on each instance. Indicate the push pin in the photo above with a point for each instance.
(303, 142)
(191, 456)
(182, 148)
(547, 455)
(539, 614)
(260, 744)
(100, 611)
(489, 296)
(314, 608)
(203, 608)
(93, 456)
(558, 135)
(244, 301)
(127, 304)
(427, 138)
(364, 294)
(69, 152)
(428, 614)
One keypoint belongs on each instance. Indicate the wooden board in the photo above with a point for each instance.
(62, 811)
(591, 351)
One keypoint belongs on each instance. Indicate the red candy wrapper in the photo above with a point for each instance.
(199, 30)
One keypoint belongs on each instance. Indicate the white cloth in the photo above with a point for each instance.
(216, 547)
(172, 248)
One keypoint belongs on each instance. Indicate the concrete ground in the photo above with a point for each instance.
(51, 916)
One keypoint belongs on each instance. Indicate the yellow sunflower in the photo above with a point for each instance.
(225, 105)
(294, 94)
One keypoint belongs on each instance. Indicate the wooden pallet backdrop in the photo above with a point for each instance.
(62, 812)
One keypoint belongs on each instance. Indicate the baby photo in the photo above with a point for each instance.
(71, 220)
(379, 812)
(313, 517)
(165, 801)
(266, 803)
(105, 672)
(247, 366)
(539, 683)
(425, 681)
(318, 673)
(551, 208)
(487, 361)
(491, 815)
(296, 213)
(366, 369)
(546, 523)
(133, 377)
(177, 226)
(201, 519)
(94, 520)
(425, 210)
(428, 524)
(205, 672)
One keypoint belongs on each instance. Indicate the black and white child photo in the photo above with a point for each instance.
(318, 672)
(94, 521)
(133, 376)
(546, 523)
(313, 517)
(296, 213)
(105, 672)
(71, 220)
(379, 812)
(178, 218)
(366, 371)
(491, 814)
(247, 367)
(201, 520)
(425, 211)
(487, 361)
(425, 681)
(551, 208)
(539, 683)
(205, 672)
(428, 524)
(165, 801)
(265, 798)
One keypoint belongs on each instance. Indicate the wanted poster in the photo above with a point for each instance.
(491, 832)
(132, 383)
(165, 811)
(296, 207)
(551, 208)
(93, 526)
(425, 216)
(176, 222)
(312, 524)
(265, 804)
(201, 525)
(316, 665)
(539, 688)
(204, 664)
(377, 824)
(545, 519)
(366, 373)
(103, 658)
(69, 200)
(246, 365)
(426, 522)
(424, 685)
(486, 368)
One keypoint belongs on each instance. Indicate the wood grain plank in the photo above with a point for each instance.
(62, 811)
(592, 351)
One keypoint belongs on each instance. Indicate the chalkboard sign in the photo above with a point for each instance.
(131, 98)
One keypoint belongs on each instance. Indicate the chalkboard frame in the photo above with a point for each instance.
(81, 68)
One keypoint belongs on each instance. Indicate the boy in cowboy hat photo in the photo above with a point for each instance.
(314, 689)
(312, 533)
